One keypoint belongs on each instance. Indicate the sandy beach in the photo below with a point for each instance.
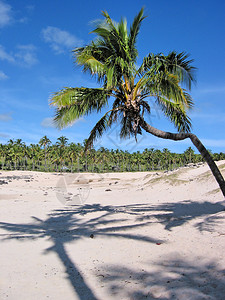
(150, 235)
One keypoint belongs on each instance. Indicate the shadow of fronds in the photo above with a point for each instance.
(169, 279)
(68, 225)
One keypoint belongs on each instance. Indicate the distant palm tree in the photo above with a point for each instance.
(61, 144)
(19, 142)
(32, 154)
(62, 141)
(45, 142)
(189, 153)
(11, 142)
(73, 153)
(112, 59)
(3, 154)
(21, 149)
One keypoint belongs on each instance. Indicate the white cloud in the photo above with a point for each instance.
(60, 40)
(5, 117)
(3, 135)
(216, 89)
(208, 91)
(25, 55)
(3, 76)
(213, 143)
(6, 56)
(48, 123)
(5, 14)
(30, 8)
(209, 117)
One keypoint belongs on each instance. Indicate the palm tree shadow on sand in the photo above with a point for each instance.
(176, 214)
(63, 226)
(170, 279)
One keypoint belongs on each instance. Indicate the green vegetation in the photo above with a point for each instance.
(70, 157)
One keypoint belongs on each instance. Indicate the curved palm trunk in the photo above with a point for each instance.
(181, 136)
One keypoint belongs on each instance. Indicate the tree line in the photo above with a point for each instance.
(72, 157)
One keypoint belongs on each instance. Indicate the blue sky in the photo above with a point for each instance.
(36, 39)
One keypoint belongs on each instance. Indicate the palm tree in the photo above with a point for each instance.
(45, 142)
(3, 154)
(62, 141)
(21, 149)
(164, 79)
(72, 153)
(61, 144)
(166, 157)
(189, 153)
(31, 155)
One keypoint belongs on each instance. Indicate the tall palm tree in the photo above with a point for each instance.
(72, 153)
(32, 154)
(164, 79)
(61, 144)
(45, 142)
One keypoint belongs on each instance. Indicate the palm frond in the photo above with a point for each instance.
(73, 103)
(134, 30)
(122, 31)
(64, 97)
(169, 87)
(116, 108)
(129, 124)
(175, 113)
(145, 107)
(181, 65)
(90, 59)
(148, 62)
(127, 129)
(112, 24)
(66, 116)
(175, 63)
(101, 126)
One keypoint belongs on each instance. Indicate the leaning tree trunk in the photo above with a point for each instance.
(181, 136)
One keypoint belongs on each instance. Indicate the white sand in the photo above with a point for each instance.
(153, 236)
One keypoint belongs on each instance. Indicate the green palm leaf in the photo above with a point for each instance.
(101, 126)
(73, 103)
(175, 113)
(134, 30)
